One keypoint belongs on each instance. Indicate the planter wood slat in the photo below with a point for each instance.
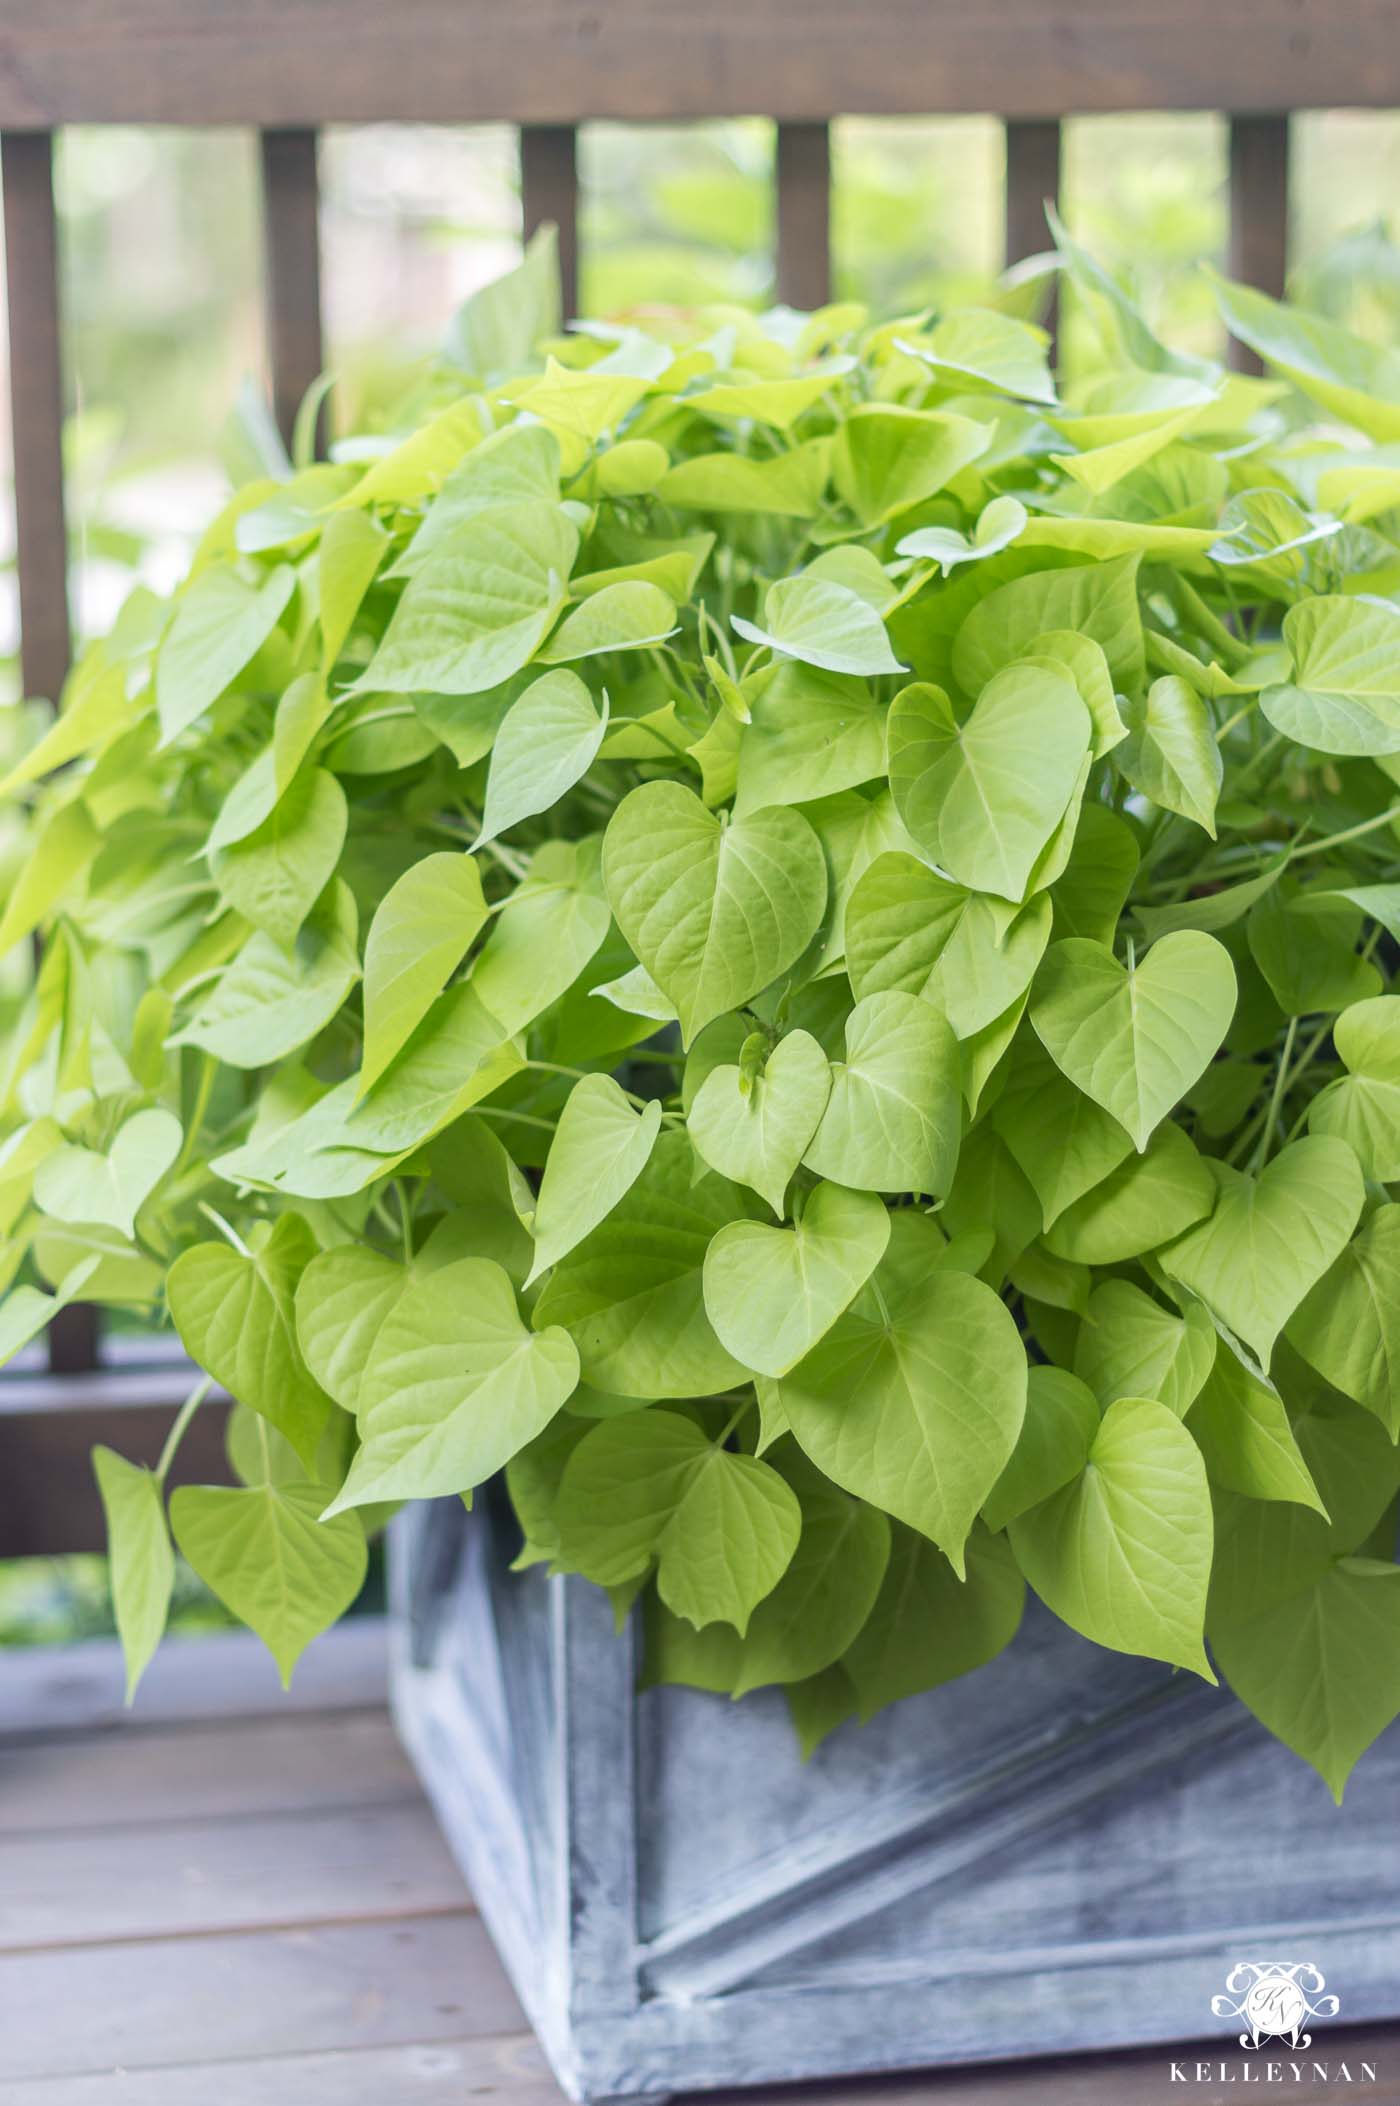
(1068, 1849)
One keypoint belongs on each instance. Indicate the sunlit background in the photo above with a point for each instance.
(160, 238)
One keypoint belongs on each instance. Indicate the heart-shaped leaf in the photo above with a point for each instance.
(1136, 1038)
(772, 1293)
(914, 1398)
(78, 1184)
(454, 1385)
(1363, 1106)
(1270, 1238)
(421, 932)
(971, 955)
(631, 1294)
(600, 1149)
(1130, 1346)
(1057, 1433)
(758, 1134)
(822, 624)
(1123, 1553)
(342, 1298)
(548, 738)
(1321, 1669)
(236, 1315)
(929, 1624)
(984, 798)
(1348, 1326)
(715, 913)
(654, 1486)
(142, 1561)
(893, 1120)
(270, 1557)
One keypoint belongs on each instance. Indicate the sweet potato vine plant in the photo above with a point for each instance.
(781, 930)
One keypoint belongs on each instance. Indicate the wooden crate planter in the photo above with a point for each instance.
(1066, 1850)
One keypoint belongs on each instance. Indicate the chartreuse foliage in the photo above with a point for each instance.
(786, 934)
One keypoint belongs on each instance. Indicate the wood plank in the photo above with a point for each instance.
(509, 2072)
(292, 249)
(803, 177)
(1032, 179)
(280, 1764)
(36, 410)
(549, 193)
(169, 2001)
(228, 1674)
(255, 1872)
(1258, 213)
(308, 62)
(512, 2071)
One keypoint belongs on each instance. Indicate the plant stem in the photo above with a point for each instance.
(1281, 1079)
(177, 1432)
(1351, 833)
(207, 1072)
(225, 1230)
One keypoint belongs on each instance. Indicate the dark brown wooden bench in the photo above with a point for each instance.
(287, 67)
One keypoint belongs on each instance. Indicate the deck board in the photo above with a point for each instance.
(261, 1912)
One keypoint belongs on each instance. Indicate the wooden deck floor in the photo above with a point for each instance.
(260, 1911)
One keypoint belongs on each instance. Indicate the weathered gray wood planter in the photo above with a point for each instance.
(1066, 1850)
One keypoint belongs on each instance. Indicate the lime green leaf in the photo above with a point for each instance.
(1123, 1553)
(1171, 754)
(341, 1299)
(722, 1528)
(773, 1293)
(983, 798)
(1363, 1107)
(1130, 1346)
(810, 735)
(893, 1119)
(456, 1056)
(755, 1126)
(822, 624)
(548, 739)
(970, 955)
(978, 347)
(914, 1399)
(422, 930)
(1240, 1424)
(351, 550)
(274, 875)
(631, 1294)
(1345, 693)
(270, 1001)
(1354, 380)
(1064, 1143)
(1309, 959)
(1271, 1237)
(600, 1149)
(220, 624)
(236, 1316)
(630, 616)
(141, 1561)
(715, 913)
(1145, 1201)
(931, 1624)
(1135, 1039)
(78, 1184)
(555, 922)
(453, 1386)
(1000, 523)
(1348, 1325)
(1322, 1669)
(1057, 1433)
(265, 1553)
(481, 606)
(1090, 891)
(888, 457)
(778, 403)
(827, 1592)
(1098, 600)
(497, 329)
(787, 486)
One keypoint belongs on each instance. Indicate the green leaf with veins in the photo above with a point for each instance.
(755, 1124)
